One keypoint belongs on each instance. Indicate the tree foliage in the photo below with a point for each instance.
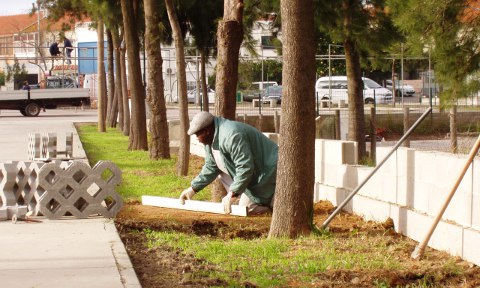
(17, 73)
(364, 29)
(449, 30)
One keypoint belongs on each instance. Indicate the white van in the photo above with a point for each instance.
(263, 85)
(335, 89)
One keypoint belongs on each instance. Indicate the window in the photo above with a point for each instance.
(6, 43)
(267, 42)
(371, 84)
(24, 43)
(335, 84)
(191, 85)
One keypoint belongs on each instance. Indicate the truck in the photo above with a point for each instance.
(30, 103)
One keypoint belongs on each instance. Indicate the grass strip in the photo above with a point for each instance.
(140, 175)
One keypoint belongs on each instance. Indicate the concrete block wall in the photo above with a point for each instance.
(61, 188)
(19, 184)
(410, 188)
(80, 190)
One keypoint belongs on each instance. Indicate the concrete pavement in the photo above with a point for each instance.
(57, 253)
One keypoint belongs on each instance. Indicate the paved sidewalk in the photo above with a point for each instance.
(57, 253)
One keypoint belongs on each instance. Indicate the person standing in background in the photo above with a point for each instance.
(67, 45)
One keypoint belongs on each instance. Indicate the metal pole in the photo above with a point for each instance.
(429, 78)
(329, 73)
(261, 86)
(197, 94)
(401, 76)
(355, 191)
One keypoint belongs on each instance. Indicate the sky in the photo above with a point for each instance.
(12, 7)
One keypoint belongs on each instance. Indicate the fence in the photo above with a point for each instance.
(390, 122)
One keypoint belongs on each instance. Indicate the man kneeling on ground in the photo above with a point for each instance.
(242, 158)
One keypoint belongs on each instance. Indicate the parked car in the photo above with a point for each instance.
(404, 90)
(263, 85)
(249, 95)
(273, 92)
(335, 89)
(192, 94)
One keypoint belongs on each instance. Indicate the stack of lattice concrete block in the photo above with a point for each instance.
(44, 146)
(59, 188)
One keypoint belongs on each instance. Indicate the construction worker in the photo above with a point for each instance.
(67, 45)
(242, 158)
(54, 50)
(55, 53)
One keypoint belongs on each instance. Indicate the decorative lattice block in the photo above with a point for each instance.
(79, 190)
(34, 142)
(28, 191)
(42, 146)
(8, 186)
(3, 213)
(69, 145)
(49, 148)
(19, 211)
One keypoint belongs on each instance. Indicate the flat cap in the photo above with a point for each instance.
(200, 121)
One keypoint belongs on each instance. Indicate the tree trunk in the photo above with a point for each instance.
(112, 108)
(125, 96)
(102, 95)
(293, 208)
(159, 146)
(229, 37)
(138, 127)
(118, 78)
(184, 149)
(356, 122)
(203, 77)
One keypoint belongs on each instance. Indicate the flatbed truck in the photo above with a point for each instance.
(31, 103)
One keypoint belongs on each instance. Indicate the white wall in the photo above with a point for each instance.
(410, 188)
(84, 33)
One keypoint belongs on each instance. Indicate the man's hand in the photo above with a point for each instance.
(227, 202)
(187, 194)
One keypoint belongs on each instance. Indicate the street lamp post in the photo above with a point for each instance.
(401, 76)
(261, 48)
(429, 78)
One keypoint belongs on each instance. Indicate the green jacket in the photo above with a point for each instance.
(249, 157)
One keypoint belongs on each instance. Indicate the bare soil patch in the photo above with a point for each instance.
(165, 267)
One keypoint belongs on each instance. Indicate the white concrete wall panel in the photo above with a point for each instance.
(475, 205)
(410, 188)
(371, 209)
(447, 237)
(470, 252)
(319, 161)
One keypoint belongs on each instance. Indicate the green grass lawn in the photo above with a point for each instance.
(140, 175)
